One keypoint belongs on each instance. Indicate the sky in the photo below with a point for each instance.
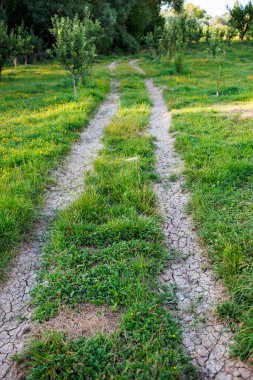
(215, 7)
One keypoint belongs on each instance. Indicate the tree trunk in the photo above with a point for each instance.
(15, 63)
(243, 34)
(26, 60)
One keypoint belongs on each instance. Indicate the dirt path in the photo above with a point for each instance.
(205, 339)
(15, 311)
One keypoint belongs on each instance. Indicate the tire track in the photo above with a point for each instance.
(205, 339)
(15, 310)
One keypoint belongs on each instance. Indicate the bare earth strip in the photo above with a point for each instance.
(205, 339)
(15, 310)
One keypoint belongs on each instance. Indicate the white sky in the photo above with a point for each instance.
(215, 7)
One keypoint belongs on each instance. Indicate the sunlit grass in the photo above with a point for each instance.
(39, 119)
(107, 248)
(215, 137)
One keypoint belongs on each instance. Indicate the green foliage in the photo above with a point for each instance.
(216, 43)
(124, 22)
(39, 119)
(5, 46)
(75, 45)
(23, 43)
(153, 43)
(195, 30)
(171, 40)
(241, 18)
(194, 11)
(177, 5)
(175, 39)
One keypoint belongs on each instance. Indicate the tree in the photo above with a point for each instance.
(195, 29)
(153, 43)
(37, 45)
(16, 48)
(5, 46)
(23, 43)
(124, 21)
(195, 11)
(26, 42)
(17, 42)
(215, 39)
(177, 5)
(241, 18)
(75, 45)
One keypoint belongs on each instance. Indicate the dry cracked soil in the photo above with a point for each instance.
(205, 339)
(15, 309)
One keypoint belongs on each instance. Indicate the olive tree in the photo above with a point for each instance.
(5, 46)
(75, 46)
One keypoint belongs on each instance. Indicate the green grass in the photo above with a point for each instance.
(217, 146)
(107, 248)
(39, 120)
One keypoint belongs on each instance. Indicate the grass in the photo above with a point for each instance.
(216, 144)
(39, 120)
(107, 249)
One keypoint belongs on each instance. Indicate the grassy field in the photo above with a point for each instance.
(215, 137)
(39, 119)
(107, 249)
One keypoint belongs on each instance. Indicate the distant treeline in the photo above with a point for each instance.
(124, 21)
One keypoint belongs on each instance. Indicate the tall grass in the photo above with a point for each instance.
(39, 119)
(216, 141)
(107, 248)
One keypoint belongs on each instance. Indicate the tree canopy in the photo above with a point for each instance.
(124, 21)
(241, 18)
(195, 11)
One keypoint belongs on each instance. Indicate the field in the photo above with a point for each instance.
(106, 251)
(215, 137)
(39, 120)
